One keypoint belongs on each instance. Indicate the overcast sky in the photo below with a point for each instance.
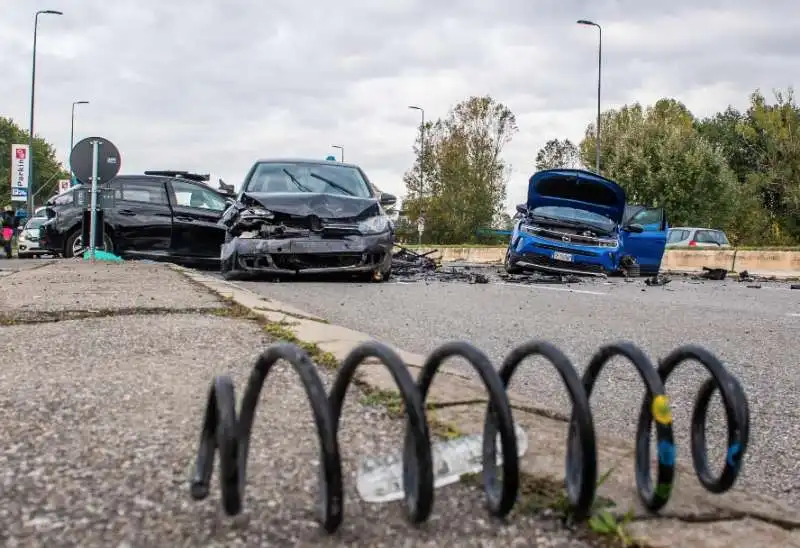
(212, 85)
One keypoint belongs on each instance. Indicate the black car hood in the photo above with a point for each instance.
(324, 206)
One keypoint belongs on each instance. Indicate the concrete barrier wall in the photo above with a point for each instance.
(766, 263)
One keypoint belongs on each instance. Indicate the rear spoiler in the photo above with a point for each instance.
(180, 175)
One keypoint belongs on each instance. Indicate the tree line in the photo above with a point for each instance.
(738, 171)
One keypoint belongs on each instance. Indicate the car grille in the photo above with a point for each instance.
(317, 260)
(542, 260)
(568, 250)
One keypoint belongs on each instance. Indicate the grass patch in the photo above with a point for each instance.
(541, 494)
(374, 397)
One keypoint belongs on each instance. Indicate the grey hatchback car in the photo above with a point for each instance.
(701, 238)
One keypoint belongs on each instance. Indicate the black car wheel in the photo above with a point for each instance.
(509, 265)
(74, 244)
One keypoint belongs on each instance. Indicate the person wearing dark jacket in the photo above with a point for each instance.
(8, 227)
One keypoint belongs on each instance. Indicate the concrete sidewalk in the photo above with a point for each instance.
(104, 377)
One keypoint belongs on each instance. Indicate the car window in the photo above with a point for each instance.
(650, 216)
(191, 195)
(274, 177)
(574, 214)
(722, 239)
(145, 192)
(677, 236)
(705, 237)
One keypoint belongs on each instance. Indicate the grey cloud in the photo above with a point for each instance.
(211, 86)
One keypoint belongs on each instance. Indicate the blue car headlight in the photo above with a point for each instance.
(374, 225)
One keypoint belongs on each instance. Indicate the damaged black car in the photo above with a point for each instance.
(308, 217)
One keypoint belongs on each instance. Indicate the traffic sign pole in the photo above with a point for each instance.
(93, 206)
(94, 161)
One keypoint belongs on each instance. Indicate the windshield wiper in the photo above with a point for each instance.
(569, 222)
(335, 185)
(300, 185)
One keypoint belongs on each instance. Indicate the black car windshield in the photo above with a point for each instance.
(572, 215)
(274, 177)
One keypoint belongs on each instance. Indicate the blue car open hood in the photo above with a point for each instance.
(578, 189)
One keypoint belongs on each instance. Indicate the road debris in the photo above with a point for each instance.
(406, 262)
(716, 274)
(657, 280)
(539, 278)
(744, 276)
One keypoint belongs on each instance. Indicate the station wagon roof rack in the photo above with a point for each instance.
(180, 175)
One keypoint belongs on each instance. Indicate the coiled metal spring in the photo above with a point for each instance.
(229, 435)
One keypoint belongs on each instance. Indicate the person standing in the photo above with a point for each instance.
(8, 227)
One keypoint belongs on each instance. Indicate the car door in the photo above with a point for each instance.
(141, 217)
(648, 246)
(196, 212)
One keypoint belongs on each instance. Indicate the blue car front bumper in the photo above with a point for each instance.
(535, 253)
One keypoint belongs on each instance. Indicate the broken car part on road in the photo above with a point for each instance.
(577, 222)
(226, 432)
(307, 217)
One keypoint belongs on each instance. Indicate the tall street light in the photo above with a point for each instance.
(421, 147)
(599, 76)
(72, 125)
(33, 94)
(341, 149)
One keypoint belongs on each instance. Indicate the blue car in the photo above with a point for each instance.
(577, 222)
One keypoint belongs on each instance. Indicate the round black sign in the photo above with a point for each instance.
(108, 160)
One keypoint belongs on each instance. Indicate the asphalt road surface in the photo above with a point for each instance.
(755, 330)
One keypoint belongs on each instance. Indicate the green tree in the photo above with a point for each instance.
(558, 153)
(47, 170)
(658, 156)
(464, 176)
(773, 132)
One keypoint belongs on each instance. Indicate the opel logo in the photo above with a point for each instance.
(564, 238)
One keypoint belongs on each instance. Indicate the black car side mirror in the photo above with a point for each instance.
(635, 228)
(388, 199)
(522, 209)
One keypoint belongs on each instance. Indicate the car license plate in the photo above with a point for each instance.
(559, 256)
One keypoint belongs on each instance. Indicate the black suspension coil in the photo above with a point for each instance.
(228, 434)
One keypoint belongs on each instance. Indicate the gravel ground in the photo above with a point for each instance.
(755, 330)
(99, 433)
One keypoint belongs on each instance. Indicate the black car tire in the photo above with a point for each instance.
(108, 244)
(226, 267)
(634, 271)
(510, 267)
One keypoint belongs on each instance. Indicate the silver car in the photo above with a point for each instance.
(28, 240)
(700, 238)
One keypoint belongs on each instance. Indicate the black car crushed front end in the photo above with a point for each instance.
(304, 233)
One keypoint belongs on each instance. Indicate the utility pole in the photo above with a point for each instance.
(341, 150)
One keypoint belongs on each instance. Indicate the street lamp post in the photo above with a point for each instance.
(599, 79)
(341, 150)
(421, 147)
(72, 126)
(33, 95)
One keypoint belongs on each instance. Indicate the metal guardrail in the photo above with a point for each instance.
(228, 433)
